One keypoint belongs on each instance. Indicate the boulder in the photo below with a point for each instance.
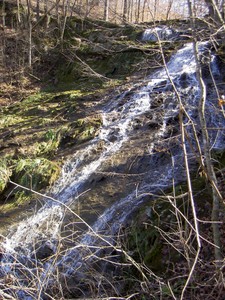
(163, 33)
(44, 249)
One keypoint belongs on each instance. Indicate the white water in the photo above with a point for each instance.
(79, 168)
(75, 172)
(162, 33)
(46, 223)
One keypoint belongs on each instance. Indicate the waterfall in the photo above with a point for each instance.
(162, 32)
(121, 118)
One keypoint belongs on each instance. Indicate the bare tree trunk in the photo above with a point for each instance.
(46, 6)
(30, 45)
(3, 13)
(29, 33)
(2, 43)
(143, 10)
(18, 11)
(214, 11)
(183, 112)
(116, 10)
(125, 11)
(131, 10)
(38, 10)
(222, 5)
(87, 8)
(128, 10)
(79, 7)
(222, 9)
(155, 9)
(106, 10)
(57, 8)
(169, 9)
(65, 10)
(206, 148)
(138, 11)
(57, 12)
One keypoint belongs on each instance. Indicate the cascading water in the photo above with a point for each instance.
(162, 32)
(122, 132)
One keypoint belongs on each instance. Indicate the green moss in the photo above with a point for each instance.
(81, 131)
(219, 158)
(146, 246)
(5, 173)
(9, 120)
(87, 134)
(20, 199)
(153, 257)
(35, 173)
(50, 144)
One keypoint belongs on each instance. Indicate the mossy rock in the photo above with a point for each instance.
(144, 239)
(5, 173)
(35, 173)
(219, 158)
(49, 145)
(81, 130)
(19, 199)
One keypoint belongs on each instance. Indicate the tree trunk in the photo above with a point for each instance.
(87, 8)
(214, 11)
(106, 10)
(46, 6)
(138, 11)
(38, 10)
(125, 11)
(143, 10)
(116, 10)
(222, 8)
(18, 11)
(206, 149)
(65, 10)
(169, 9)
(131, 11)
(155, 9)
(29, 33)
(3, 13)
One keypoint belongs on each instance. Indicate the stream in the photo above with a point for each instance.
(137, 154)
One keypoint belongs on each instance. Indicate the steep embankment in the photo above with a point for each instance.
(128, 155)
(49, 111)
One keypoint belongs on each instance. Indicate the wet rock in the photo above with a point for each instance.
(163, 33)
(174, 120)
(159, 88)
(96, 178)
(137, 123)
(113, 135)
(44, 249)
(101, 146)
(153, 125)
(157, 101)
(184, 80)
(112, 138)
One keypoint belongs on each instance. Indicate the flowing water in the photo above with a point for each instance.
(141, 123)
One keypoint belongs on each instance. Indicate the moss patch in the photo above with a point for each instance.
(33, 131)
(20, 199)
(5, 173)
(35, 173)
(160, 236)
